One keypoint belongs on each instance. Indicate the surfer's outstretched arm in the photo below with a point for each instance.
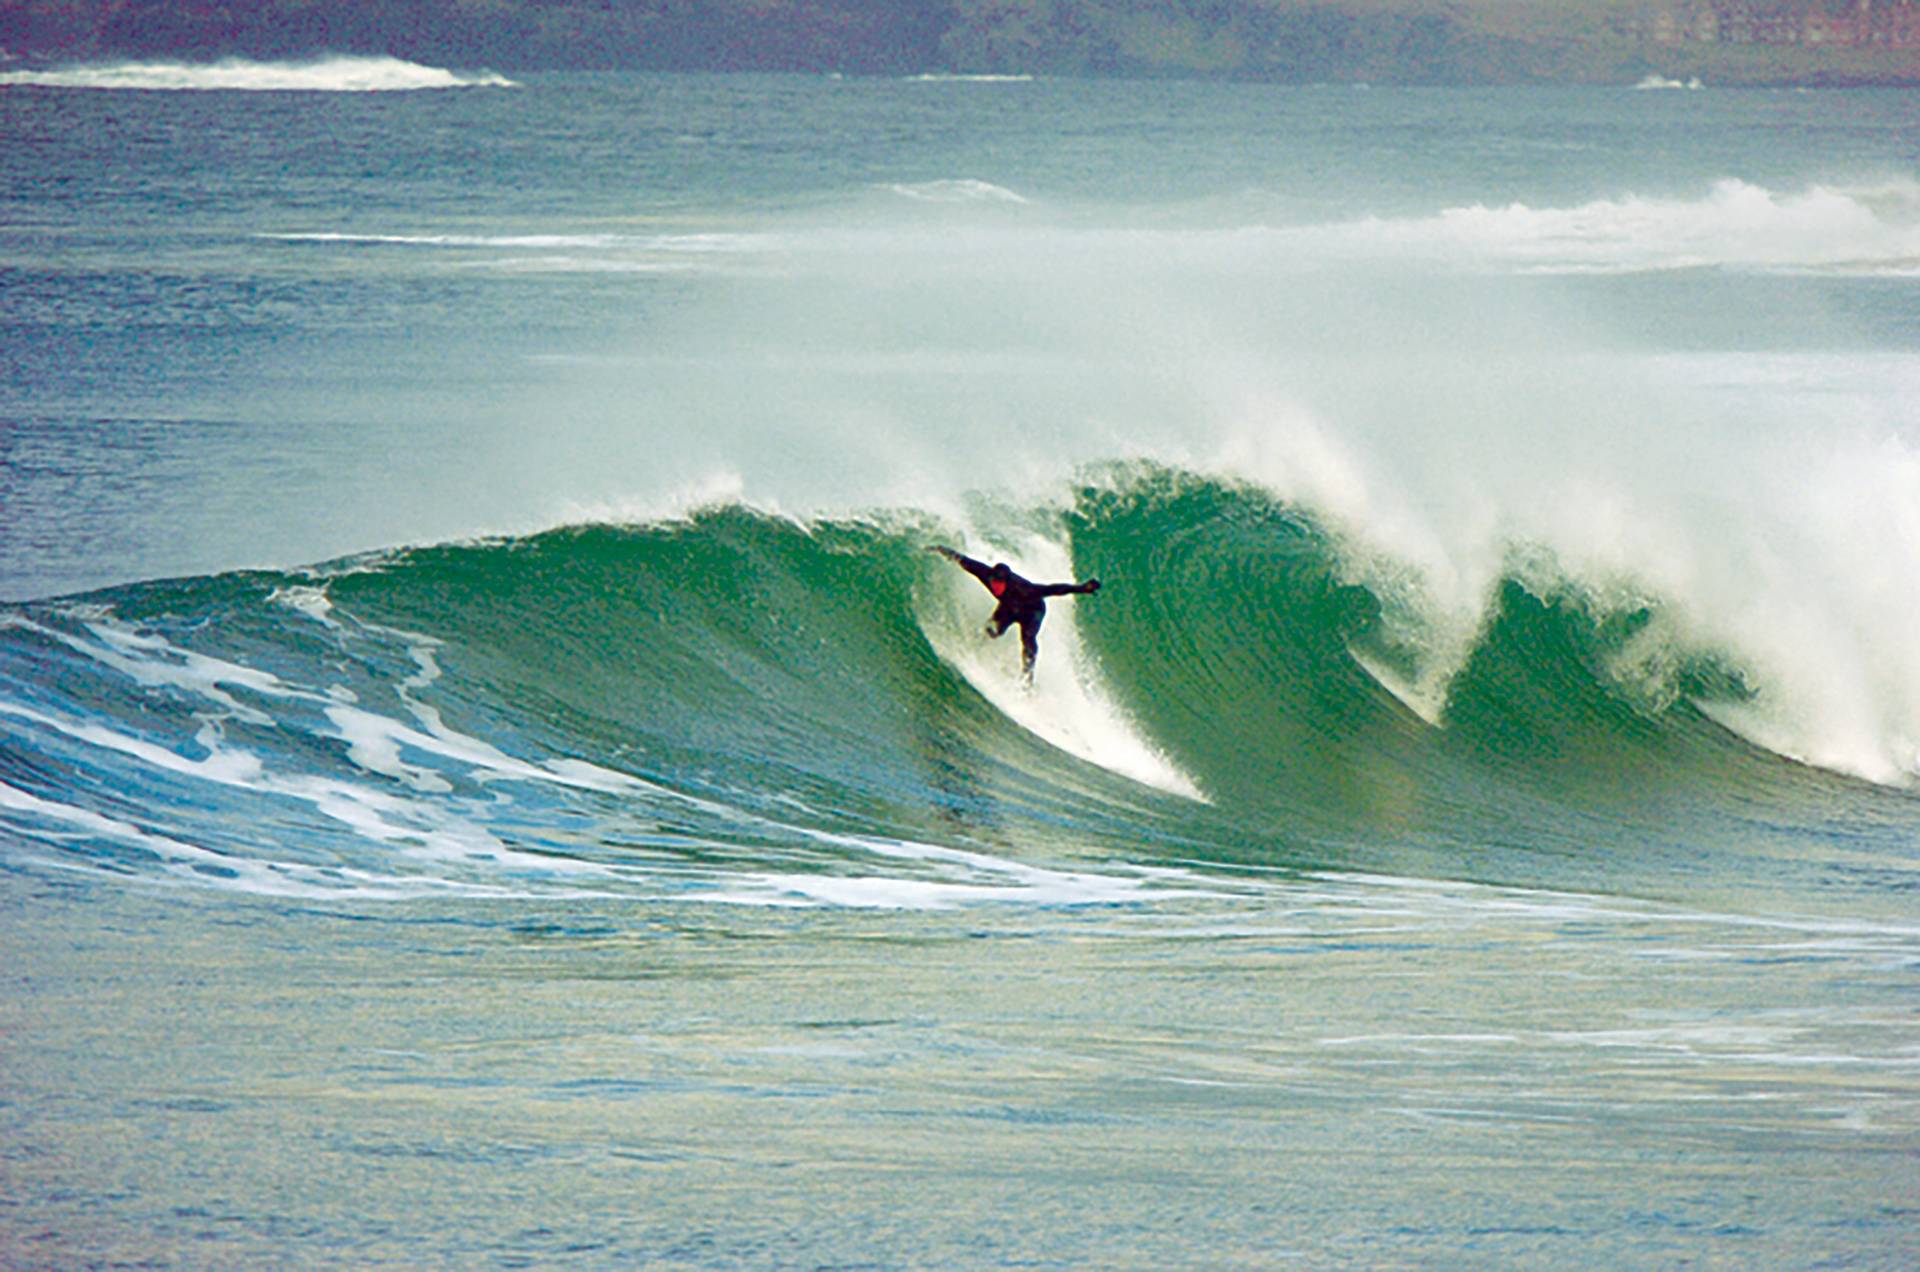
(1087, 588)
(979, 569)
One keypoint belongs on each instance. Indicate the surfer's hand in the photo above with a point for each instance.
(1090, 586)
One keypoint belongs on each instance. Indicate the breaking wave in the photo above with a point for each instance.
(745, 708)
(1737, 225)
(328, 75)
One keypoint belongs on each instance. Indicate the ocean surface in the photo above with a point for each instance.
(491, 775)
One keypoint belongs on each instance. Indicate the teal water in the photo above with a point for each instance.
(490, 773)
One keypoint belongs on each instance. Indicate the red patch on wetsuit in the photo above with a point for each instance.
(997, 587)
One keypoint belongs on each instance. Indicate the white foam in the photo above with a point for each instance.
(380, 738)
(524, 241)
(894, 893)
(226, 768)
(310, 601)
(692, 245)
(373, 741)
(962, 878)
(18, 801)
(1173, 881)
(427, 830)
(1660, 83)
(252, 875)
(151, 661)
(935, 77)
(328, 75)
(957, 190)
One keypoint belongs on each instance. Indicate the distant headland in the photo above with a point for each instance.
(1648, 42)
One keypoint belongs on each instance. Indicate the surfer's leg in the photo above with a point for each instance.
(1029, 643)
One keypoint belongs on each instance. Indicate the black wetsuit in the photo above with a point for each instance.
(1022, 601)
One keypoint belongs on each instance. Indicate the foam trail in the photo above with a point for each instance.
(374, 741)
(330, 75)
(691, 244)
(152, 662)
(968, 878)
(260, 878)
(933, 77)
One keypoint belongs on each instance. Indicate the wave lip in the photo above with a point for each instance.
(325, 75)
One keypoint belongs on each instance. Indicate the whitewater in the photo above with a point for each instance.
(491, 772)
(242, 75)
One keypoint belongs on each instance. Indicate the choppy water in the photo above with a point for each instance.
(490, 773)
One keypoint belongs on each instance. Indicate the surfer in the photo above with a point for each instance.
(1022, 601)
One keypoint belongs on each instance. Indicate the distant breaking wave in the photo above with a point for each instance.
(329, 75)
(1736, 225)
(1656, 83)
(936, 77)
(957, 190)
(692, 243)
